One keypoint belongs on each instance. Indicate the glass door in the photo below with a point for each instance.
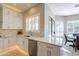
(51, 31)
(59, 31)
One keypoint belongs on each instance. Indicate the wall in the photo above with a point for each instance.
(68, 18)
(65, 19)
(34, 10)
(59, 18)
(72, 17)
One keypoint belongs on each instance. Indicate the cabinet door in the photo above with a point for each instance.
(25, 44)
(5, 43)
(5, 18)
(22, 42)
(32, 46)
(19, 21)
(1, 43)
(53, 50)
(49, 51)
(11, 41)
(1, 18)
(42, 49)
(19, 41)
(11, 19)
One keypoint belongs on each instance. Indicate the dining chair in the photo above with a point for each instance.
(77, 43)
(67, 40)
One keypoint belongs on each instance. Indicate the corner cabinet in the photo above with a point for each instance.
(11, 19)
(45, 49)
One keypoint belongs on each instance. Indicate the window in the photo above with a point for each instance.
(32, 23)
(59, 28)
(73, 27)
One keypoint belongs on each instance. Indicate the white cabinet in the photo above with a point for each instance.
(8, 42)
(22, 42)
(42, 49)
(1, 43)
(45, 49)
(25, 45)
(1, 18)
(12, 19)
(5, 43)
(11, 41)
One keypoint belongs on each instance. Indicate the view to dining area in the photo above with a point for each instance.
(73, 39)
(65, 31)
(72, 33)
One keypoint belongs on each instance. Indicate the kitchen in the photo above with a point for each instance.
(24, 25)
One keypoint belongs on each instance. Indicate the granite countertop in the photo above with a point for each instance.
(41, 39)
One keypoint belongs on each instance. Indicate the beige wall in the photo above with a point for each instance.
(35, 10)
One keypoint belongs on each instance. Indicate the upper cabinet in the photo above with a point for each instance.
(11, 19)
(1, 17)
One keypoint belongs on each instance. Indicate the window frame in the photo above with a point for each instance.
(74, 25)
(32, 30)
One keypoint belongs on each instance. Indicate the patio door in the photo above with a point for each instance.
(59, 26)
(51, 31)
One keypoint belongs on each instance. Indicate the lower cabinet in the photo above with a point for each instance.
(22, 42)
(45, 49)
(11, 41)
(1, 43)
(32, 47)
(42, 49)
(35, 48)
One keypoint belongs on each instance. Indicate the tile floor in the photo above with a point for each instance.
(67, 50)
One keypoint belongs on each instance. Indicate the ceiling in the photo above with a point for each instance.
(20, 6)
(59, 9)
(64, 9)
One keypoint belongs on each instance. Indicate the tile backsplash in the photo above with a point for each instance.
(8, 32)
